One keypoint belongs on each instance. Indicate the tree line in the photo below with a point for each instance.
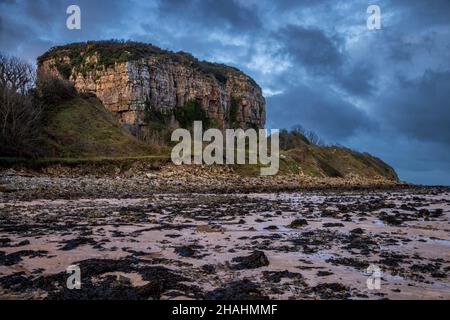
(25, 97)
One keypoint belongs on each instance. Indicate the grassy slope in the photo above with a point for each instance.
(83, 128)
(82, 131)
(318, 161)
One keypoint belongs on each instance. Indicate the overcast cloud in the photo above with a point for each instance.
(384, 91)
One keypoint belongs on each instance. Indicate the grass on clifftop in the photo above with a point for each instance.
(83, 128)
(325, 161)
(336, 162)
(110, 52)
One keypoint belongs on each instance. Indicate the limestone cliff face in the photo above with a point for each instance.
(128, 84)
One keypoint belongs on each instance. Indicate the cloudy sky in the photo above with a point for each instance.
(386, 92)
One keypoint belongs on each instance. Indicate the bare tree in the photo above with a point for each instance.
(311, 136)
(20, 113)
(15, 74)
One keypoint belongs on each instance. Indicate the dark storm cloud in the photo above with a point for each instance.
(31, 27)
(419, 108)
(99, 13)
(325, 55)
(296, 4)
(311, 47)
(212, 13)
(43, 11)
(358, 79)
(19, 38)
(318, 110)
(422, 13)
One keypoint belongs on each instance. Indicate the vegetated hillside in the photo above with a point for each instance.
(329, 161)
(82, 127)
(319, 161)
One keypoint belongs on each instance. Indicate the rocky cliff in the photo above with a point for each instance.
(133, 79)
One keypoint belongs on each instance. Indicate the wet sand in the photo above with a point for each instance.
(283, 245)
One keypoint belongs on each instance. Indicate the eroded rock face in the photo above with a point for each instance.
(162, 83)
